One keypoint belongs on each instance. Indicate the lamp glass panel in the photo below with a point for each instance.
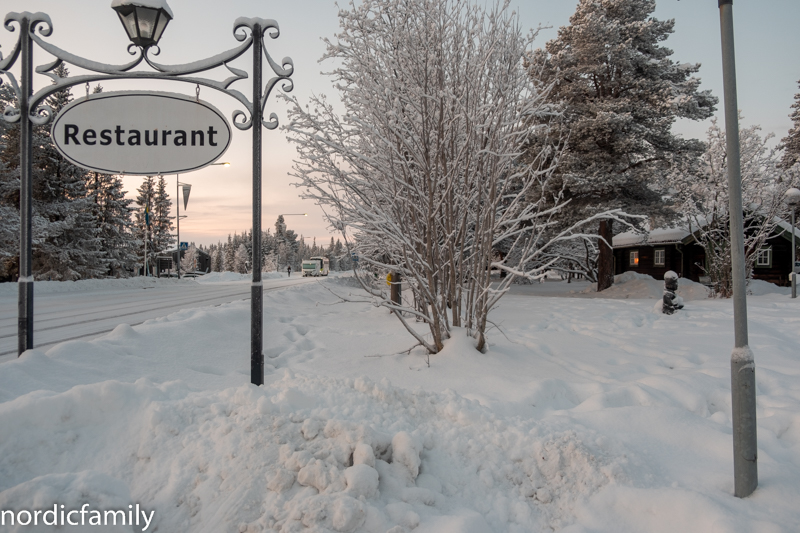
(147, 21)
(163, 19)
(129, 23)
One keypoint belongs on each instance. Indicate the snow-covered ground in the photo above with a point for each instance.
(589, 413)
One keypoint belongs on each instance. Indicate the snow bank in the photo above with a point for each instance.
(759, 287)
(641, 286)
(324, 454)
(228, 277)
(86, 285)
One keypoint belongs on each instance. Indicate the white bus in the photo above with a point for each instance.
(316, 266)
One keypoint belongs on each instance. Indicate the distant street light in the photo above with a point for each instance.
(792, 199)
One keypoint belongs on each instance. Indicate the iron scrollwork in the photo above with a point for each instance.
(42, 114)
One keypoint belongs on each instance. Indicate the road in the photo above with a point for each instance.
(60, 317)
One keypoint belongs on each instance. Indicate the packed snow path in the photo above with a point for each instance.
(61, 314)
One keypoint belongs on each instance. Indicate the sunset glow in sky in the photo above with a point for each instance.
(767, 65)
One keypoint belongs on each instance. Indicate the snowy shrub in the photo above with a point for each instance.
(423, 173)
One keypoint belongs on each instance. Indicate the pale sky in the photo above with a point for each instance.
(767, 45)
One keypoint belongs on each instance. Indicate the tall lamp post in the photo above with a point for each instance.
(144, 21)
(743, 366)
(792, 199)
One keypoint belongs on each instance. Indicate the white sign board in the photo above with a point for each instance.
(141, 132)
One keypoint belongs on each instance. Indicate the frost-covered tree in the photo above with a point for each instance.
(113, 217)
(270, 262)
(241, 259)
(189, 259)
(163, 239)
(705, 201)
(229, 260)
(217, 255)
(143, 229)
(791, 143)
(622, 93)
(67, 243)
(422, 172)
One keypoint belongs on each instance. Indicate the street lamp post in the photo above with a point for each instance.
(743, 367)
(792, 199)
(144, 21)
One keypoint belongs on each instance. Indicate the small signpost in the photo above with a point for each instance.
(184, 246)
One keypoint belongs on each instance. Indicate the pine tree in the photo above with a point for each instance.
(241, 259)
(230, 256)
(71, 247)
(113, 214)
(145, 200)
(622, 94)
(791, 143)
(163, 239)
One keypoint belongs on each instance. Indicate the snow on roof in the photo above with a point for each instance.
(155, 4)
(787, 227)
(656, 236)
(677, 234)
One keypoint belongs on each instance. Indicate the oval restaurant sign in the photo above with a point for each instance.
(141, 132)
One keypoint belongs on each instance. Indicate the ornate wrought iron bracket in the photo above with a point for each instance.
(42, 114)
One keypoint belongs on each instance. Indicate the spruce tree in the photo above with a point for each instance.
(230, 256)
(791, 143)
(240, 259)
(72, 246)
(622, 94)
(113, 214)
(143, 230)
(163, 239)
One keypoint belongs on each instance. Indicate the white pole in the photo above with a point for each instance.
(743, 367)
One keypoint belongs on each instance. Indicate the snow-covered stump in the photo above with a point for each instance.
(671, 302)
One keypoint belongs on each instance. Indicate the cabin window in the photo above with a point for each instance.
(764, 258)
(634, 258)
(660, 257)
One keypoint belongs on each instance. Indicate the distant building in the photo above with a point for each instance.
(677, 249)
(203, 260)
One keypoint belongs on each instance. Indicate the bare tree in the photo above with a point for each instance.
(705, 201)
(423, 172)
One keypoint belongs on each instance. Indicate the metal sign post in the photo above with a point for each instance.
(31, 110)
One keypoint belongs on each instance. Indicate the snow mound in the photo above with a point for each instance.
(633, 285)
(322, 454)
(759, 287)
